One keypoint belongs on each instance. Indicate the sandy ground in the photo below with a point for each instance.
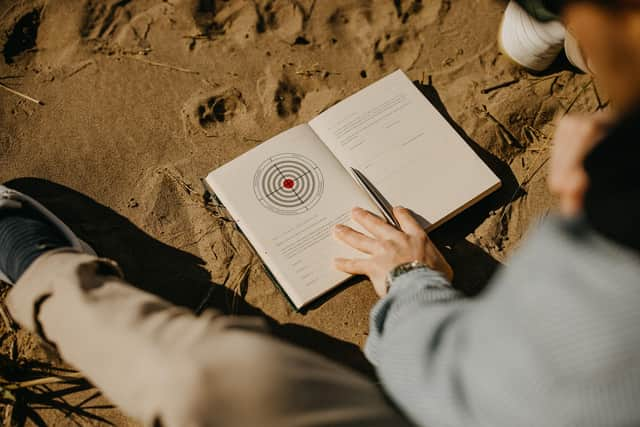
(142, 98)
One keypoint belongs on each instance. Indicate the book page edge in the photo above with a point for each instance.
(293, 297)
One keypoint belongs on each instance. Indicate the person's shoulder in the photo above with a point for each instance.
(580, 247)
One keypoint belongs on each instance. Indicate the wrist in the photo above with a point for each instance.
(403, 269)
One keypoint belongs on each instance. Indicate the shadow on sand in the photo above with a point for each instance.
(473, 266)
(181, 278)
(172, 274)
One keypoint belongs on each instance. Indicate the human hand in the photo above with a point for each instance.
(575, 137)
(388, 248)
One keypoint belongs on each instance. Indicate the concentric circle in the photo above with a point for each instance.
(288, 184)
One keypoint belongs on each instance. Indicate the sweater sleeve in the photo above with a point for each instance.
(548, 344)
(407, 295)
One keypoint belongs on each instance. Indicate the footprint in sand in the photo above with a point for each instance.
(102, 19)
(205, 15)
(396, 50)
(378, 31)
(244, 20)
(288, 98)
(122, 23)
(215, 18)
(281, 92)
(284, 18)
(349, 25)
(210, 112)
(421, 12)
(22, 37)
(381, 33)
(351, 19)
(407, 8)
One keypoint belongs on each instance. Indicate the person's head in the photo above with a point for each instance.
(593, 166)
(609, 34)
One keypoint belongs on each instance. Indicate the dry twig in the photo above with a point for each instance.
(499, 86)
(20, 94)
(161, 64)
(6, 318)
(535, 172)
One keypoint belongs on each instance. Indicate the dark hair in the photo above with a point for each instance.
(556, 6)
(612, 201)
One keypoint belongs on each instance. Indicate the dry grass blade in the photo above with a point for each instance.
(575, 99)
(89, 399)
(34, 395)
(522, 186)
(601, 105)
(240, 287)
(509, 137)
(535, 172)
(161, 64)
(20, 94)
(40, 381)
(8, 322)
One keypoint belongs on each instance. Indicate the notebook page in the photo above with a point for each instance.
(392, 134)
(285, 195)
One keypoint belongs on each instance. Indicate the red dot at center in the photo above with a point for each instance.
(288, 183)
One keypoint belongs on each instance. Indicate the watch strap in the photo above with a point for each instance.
(403, 269)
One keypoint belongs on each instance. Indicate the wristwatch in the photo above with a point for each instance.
(402, 269)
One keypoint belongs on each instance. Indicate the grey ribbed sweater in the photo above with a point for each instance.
(554, 341)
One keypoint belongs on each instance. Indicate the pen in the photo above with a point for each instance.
(376, 197)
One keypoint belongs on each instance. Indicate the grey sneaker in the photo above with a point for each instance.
(12, 199)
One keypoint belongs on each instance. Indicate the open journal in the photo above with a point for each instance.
(287, 193)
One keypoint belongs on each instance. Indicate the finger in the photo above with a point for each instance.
(407, 221)
(352, 266)
(375, 225)
(354, 239)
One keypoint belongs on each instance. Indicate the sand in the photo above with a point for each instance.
(142, 98)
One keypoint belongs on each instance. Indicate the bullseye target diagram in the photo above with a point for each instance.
(288, 184)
